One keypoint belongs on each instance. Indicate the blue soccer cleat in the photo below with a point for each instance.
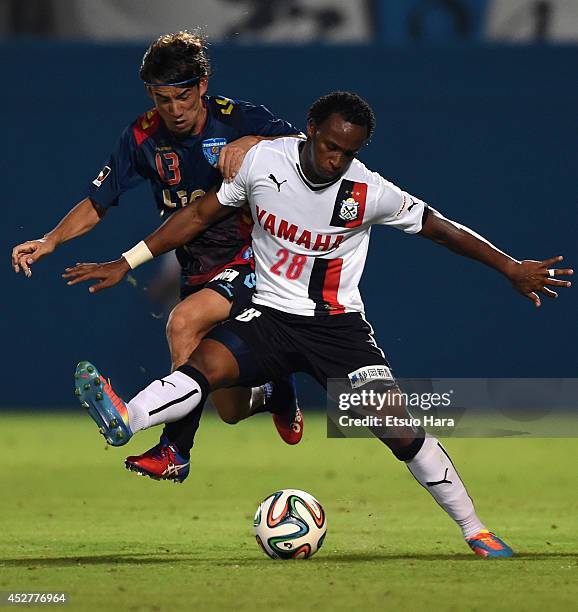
(488, 545)
(161, 462)
(104, 406)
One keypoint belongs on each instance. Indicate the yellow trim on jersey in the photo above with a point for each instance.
(227, 103)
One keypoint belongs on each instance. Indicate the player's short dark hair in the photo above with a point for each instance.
(174, 58)
(350, 106)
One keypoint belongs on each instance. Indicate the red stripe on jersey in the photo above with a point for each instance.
(359, 194)
(331, 286)
(145, 126)
(243, 257)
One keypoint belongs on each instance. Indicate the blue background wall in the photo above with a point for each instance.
(487, 135)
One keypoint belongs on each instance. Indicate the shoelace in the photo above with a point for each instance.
(165, 451)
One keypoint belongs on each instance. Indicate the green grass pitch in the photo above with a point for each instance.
(74, 520)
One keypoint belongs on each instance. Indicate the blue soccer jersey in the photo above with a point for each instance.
(181, 170)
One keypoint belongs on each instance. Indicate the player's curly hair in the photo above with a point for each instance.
(350, 106)
(176, 57)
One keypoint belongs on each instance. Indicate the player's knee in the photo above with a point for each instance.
(173, 324)
(182, 323)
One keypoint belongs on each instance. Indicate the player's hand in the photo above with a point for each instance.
(109, 274)
(232, 156)
(28, 253)
(528, 277)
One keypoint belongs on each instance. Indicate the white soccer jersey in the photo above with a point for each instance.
(310, 242)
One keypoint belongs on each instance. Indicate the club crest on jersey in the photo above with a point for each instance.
(99, 180)
(349, 210)
(349, 204)
(212, 149)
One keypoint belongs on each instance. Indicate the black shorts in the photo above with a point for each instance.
(269, 344)
(235, 283)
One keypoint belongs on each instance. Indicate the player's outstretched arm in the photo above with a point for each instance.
(528, 277)
(187, 223)
(177, 230)
(78, 221)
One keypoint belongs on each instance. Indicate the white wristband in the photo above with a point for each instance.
(139, 254)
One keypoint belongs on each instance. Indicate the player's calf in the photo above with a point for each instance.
(169, 399)
(432, 467)
(280, 399)
(165, 400)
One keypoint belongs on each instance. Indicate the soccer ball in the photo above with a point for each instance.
(290, 524)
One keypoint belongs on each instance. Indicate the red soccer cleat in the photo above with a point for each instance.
(161, 462)
(290, 428)
(281, 401)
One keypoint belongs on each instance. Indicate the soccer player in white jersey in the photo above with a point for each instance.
(313, 204)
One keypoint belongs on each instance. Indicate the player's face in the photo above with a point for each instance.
(332, 146)
(181, 108)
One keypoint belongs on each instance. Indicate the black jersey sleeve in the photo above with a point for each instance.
(120, 173)
(260, 121)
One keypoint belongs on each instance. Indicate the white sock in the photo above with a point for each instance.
(164, 401)
(434, 470)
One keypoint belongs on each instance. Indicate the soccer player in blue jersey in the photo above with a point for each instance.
(184, 147)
